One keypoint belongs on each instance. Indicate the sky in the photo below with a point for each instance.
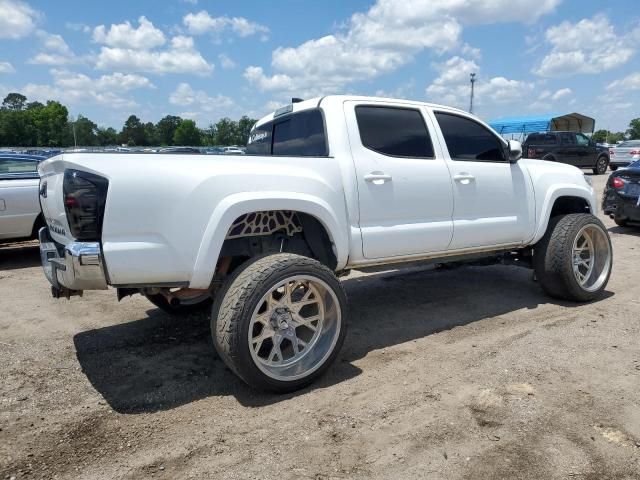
(207, 59)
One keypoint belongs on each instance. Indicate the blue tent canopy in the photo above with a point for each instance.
(572, 122)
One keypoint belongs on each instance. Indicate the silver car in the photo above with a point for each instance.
(20, 216)
(624, 153)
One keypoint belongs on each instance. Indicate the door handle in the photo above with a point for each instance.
(377, 177)
(463, 177)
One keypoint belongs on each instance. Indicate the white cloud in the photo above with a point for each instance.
(589, 46)
(452, 86)
(56, 51)
(79, 89)
(226, 62)
(562, 93)
(181, 56)
(185, 96)
(78, 27)
(17, 19)
(201, 22)
(626, 84)
(6, 67)
(384, 38)
(124, 35)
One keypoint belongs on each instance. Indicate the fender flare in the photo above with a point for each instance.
(566, 190)
(234, 205)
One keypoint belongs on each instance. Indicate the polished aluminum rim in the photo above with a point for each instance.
(591, 257)
(294, 327)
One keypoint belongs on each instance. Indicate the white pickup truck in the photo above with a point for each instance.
(327, 185)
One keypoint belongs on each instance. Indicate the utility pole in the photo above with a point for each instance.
(73, 127)
(473, 80)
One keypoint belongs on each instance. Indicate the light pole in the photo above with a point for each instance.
(473, 80)
(73, 127)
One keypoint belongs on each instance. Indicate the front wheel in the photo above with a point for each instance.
(601, 166)
(573, 259)
(279, 321)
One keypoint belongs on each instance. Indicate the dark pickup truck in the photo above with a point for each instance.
(567, 147)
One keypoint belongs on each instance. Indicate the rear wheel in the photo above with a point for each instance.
(573, 259)
(601, 165)
(279, 321)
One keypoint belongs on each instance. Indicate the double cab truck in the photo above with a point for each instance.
(573, 148)
(327, 185)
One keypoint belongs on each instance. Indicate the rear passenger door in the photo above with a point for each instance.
(586, 152)
(19, 204)
(568, 149)
(494, 203)
(404, 188)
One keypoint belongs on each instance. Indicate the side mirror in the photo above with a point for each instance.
(515, 151)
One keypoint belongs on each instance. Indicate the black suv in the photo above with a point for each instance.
(567, 147)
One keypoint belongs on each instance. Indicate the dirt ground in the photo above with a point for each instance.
(465, 373)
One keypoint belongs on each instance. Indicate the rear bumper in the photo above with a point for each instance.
(72, 268)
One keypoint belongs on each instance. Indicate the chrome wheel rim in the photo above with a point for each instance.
(294, 327)
(591, 257)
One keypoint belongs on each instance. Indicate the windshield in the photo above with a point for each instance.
(300, 134)
(635, 164)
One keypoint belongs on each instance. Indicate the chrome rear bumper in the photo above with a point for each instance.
(75, 267)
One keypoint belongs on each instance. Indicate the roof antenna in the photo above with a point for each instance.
(296, 100)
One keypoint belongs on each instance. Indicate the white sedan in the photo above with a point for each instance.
(20, 215)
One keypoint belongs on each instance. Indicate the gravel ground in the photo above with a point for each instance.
(464, 373)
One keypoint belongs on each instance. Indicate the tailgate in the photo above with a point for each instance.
(52, 199)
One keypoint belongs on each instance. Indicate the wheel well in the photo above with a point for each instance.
(565, 205)
(257, 233)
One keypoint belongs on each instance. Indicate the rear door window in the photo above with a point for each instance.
(18, 168)
(568, 138)
(392, 131)
(467, 140)
(300, 134)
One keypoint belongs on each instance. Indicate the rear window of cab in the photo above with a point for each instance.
(300, 134)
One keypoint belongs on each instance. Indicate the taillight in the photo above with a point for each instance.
(531, 153)
(84, 198)
(634, 152)
(612, 153)
(617, 182)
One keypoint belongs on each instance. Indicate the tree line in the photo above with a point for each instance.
(632, 133)
(34, 124)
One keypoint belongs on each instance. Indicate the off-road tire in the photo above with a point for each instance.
(236, 301)
(601, 165)
(161, 302)
(553, 256)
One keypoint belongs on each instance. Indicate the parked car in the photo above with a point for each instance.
(624, 153)
(567, 147)
(233, 151)
(621, 199)
(328, 185)
(179, 150)
(20, 216)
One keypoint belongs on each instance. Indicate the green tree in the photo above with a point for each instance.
(226, 132)
(603, 136)
(133, 132)
(151, 134)
(106, 136)
(86, 132)
(634, 129)
(244, 128)
(56, 122)
(14, 101)
(166, 128)
(187, 134)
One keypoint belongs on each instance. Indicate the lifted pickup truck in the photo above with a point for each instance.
(327, 185)
(567, 147)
